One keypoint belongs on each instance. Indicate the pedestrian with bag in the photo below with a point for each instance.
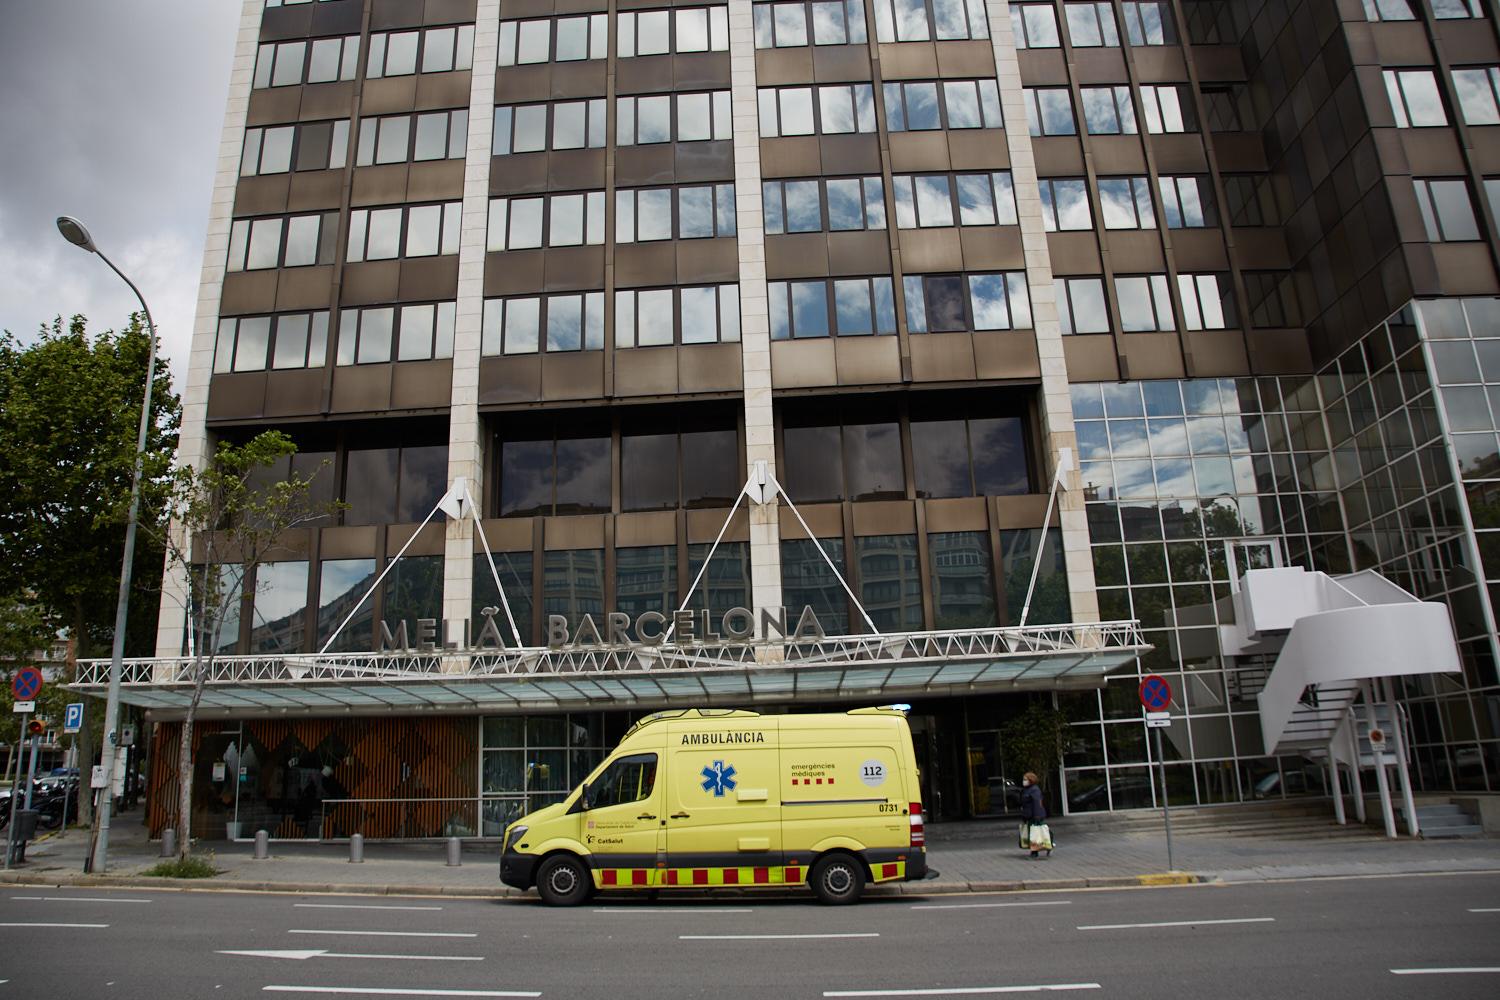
(1035, 836)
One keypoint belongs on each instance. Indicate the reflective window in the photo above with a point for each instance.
(1477, 88)
(1447, 211)
(283, 241)
(422, 482)
(1451, 9)
(322, 60)
(435, 50)
(417, 332)
(962, 579)
(1207, 302)
(1091, 25)
(415, 231)
(682, 29)
(725, 583)
(959, 455)
(279, 616)
(341, 585)
(1271, 299)
(1187, 202)
(797, 206)
(700, 211)
(1125, 203)
(812, 463)
(629, 779)
(659, 317)
(821, 22)
(828, 110)
(412, 590)
(1034, 25)
(807, 581)
(1145, 303)
(845, 307)
(703, 451)
(1389, 10)
(1108, 110)
(1167, 108)
(576, 39)
(936, 303)
(646, 579)
(555, 220)
(555, 475)
(434, 135)
(308, 146)
(514, 571)
(573, 585)
(1414, 97)
(922, 20)
(965, 103)
(890, 581)
(1080, 305)
(873, 469)
(1018, 553)
(647, 120)
(523, 128)
(255, 343)
(1149, 22)
(571, 322)
(1049, 111)
(1065, 204)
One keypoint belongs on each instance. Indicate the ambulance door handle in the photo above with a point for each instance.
(646, 816)
(680, 816)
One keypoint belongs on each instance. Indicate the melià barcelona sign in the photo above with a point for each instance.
(737, 626)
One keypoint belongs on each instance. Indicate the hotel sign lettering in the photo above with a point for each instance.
(615, 630)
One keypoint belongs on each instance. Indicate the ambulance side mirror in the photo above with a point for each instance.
(583, 798)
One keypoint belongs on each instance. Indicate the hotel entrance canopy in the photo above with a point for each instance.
(867, 668)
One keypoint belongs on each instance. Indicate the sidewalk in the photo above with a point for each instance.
(970, 857)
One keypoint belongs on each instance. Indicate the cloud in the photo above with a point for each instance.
(112, 114)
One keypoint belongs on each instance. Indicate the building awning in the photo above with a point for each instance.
(890, 667)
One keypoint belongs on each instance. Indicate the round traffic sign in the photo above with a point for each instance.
(26, 684)
(1156, 693)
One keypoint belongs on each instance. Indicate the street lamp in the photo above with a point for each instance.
(74, 232)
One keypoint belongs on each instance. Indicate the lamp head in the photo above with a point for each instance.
(74, 232)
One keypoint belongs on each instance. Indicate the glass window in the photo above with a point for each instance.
(714, 474)
(1034, 26)
(1049, 111)
(1125, 203)
(813, 465)
(1091, 25)
(890, 582)
(646, 579)
(962, 579)
(833, 22)
(1389, 10)
(1447, 212)
(573, 585)
(1065, 204)
(807, 581)
(423, 481)
(999, 448)
(514, 571)
(341, 585)
(1414, 97)
(1108, 110)
(526, 476)
(726, 582)
(412, 590)
(1476, 88)
(279, 616)
(1207, 303)
(872, 461)
(1080, 305)
(940, 457)
(1145, 303)
(1167, 108)
(1049, 600)
(1149, 22)
(628, 779)
(1187, 202)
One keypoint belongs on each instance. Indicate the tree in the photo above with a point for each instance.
(225, 521)
(1036, 740)
(72, 406)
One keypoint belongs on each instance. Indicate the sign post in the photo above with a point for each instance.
(1156, 695)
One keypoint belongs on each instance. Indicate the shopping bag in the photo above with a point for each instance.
(1041, 837)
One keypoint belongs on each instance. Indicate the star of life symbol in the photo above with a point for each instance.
(718, 778)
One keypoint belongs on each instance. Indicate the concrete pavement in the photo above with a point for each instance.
(970, 856)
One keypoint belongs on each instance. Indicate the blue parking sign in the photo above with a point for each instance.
(73, 717)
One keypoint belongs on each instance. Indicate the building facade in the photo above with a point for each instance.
(1226, 271)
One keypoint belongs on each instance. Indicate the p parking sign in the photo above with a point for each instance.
(73, 717)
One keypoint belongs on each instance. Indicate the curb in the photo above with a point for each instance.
(504, 892)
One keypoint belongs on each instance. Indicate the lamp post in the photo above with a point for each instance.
(75, 233)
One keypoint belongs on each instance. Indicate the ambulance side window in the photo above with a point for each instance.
(629, 779)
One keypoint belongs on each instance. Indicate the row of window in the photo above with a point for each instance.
(431, 135)
(1110, 110)
(1417, 102)
(935, 303)
(1404, 10)
(648, 317)
(641, 33)
(1145, 304)
(1125, 203)
(1092, 24)
(646, 120)
(392, 53)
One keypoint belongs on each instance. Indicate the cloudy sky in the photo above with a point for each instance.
(111, 113)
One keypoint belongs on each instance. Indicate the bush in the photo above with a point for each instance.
(189, 867)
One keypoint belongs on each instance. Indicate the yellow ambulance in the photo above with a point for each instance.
(705, 797)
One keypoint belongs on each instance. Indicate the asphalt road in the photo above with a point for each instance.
(1327, 939)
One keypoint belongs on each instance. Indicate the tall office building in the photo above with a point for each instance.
(605, 260)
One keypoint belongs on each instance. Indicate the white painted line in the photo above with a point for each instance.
(80, 899)
(305, 955)
(39, 924)
(986, 906)
(359, 906)
(668, 910)
(1454, 971)
(423, 934)
(1485, 909)
(964, 991)
(1178, 923)
(769, 937)
(381, 991)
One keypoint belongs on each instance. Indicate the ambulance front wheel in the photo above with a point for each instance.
(564, 880)
(837, 879)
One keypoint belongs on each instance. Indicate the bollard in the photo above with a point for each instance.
(168, 842)
(455, 846)
(357, 849)
(262, 845)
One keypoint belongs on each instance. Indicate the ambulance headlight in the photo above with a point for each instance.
(513, 837)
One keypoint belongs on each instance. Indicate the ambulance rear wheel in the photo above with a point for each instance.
(564, 880)
(837, 879)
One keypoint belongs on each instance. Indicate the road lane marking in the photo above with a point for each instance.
(1178, 923)
(1453, 971)
(985, 906)
(387, 991)
(424, 934)
(35, 923)
(360, 906)
(643, 909)
(80, 899)
(964, 991)
(770, 937)
(312, 953)
(1485, 909)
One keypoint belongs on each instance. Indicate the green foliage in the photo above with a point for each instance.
(72, 406)
(192, 866)
(1036, 740)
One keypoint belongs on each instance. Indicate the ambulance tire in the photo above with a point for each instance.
(837, 879)
(564, 880)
